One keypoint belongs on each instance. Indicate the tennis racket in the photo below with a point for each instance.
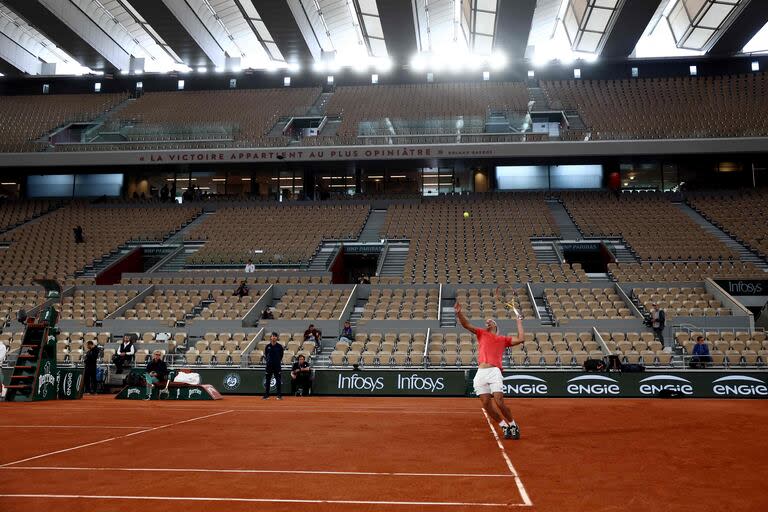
(507, 296)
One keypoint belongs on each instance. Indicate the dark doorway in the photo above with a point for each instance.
(594, 257)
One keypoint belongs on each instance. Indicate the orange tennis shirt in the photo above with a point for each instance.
(491, 347)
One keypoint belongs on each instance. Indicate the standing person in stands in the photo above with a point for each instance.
(90, 361)
(78, 230)
(273, 356)
(164, 193)
(488, 382)
(301, 377)
(658, 319)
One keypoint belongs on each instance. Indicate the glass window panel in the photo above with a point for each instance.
(589, 42)
(486, 5)
(716, 14)
(522, 177)
(484, 22)
(694, 6)
(373, 26)
(576, 176)
(698, 38)
(598, 19)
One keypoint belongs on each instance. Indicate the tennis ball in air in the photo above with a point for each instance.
(466, 215)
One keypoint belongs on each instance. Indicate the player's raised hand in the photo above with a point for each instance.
(457, 307)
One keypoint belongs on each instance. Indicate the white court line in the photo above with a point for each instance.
(526, 499)
(264, 500)
(251, 471)
(73, 426)
(112, 439)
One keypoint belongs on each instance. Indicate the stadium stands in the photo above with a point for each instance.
(14, 213)
(423, 102)
(492, 245)
(741, 214)
(586, 304)
(247, 115)
(654, 228)
(274, 234)
(47, 248)
(24, 119)
(666, 108)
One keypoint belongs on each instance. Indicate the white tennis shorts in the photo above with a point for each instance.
(487, 381)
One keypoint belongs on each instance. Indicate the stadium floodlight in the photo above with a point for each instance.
(294, 67)
(202, 70)
(418, 63)
(589, 57)
(384, 65)
(125, 72)
(219, 69)
(318, 66)
(498, 61)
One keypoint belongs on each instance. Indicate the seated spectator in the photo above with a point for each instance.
(701, 355)
(241, 290)
(125, 352)
(313, 334)
(250, 267)
(157, 371)
(267, 314)
(346, 332)
(301, 377)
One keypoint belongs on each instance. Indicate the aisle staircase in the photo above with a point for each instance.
(372, 230)
(745, 254)
(394, 259)
(568, 230)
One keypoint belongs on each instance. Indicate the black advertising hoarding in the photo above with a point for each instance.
(390, 383)
(694, 384)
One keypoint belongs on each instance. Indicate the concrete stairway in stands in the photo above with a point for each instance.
(568, 230)
(394, 260)
(372, 230)
(324, 256)
(744, 253)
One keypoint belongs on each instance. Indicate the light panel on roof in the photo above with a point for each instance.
(126, 27)
(36, 44)
(695, 24)
(588, 21)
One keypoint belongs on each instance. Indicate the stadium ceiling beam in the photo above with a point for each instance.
(67, 34)
(180, 27)
(630, 24)
(748, 23)
(513, 25)
(295, 40)
(399, 27)
(14, 56)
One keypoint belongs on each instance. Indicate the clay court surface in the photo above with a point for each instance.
(382, 454)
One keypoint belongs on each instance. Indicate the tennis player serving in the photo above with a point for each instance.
(488, 381)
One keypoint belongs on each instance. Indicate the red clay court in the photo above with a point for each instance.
(378, 454)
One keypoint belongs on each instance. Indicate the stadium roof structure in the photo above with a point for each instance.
(77, 37)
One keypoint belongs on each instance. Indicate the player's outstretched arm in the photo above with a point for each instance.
(463, 320)
(517, 340)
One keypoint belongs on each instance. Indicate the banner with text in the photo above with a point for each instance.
(392, 382)
(634, 385)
